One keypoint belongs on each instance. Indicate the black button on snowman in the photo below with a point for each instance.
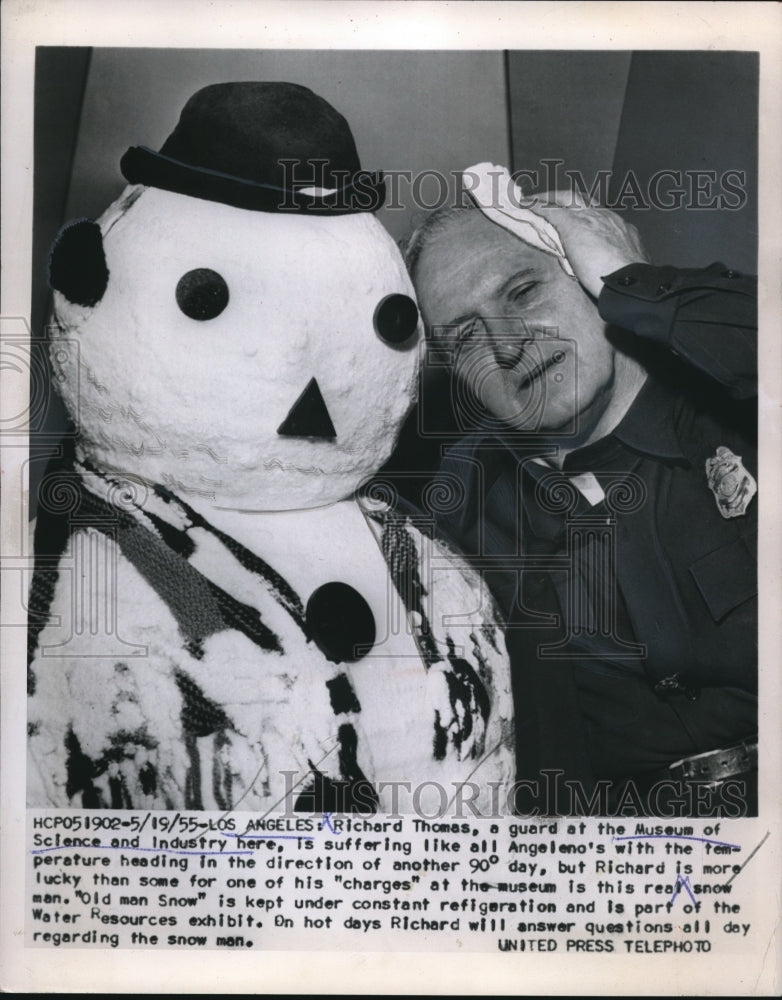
(340, 622)
(236, 340)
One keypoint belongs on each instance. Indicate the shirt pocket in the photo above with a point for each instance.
(728, 576)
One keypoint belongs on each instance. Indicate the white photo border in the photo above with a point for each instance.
(247, 24)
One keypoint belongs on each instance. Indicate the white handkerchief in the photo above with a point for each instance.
(498, 196)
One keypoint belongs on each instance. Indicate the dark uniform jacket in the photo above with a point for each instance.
(632, 623)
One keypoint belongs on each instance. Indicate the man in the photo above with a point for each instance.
(610, 498)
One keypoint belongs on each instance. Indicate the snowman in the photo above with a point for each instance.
(220, 616)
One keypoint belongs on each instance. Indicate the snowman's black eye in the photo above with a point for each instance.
(202, 293)
(396, 320)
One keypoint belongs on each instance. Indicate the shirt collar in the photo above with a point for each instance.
(648, 426)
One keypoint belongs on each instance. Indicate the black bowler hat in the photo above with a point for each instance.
(255, 146)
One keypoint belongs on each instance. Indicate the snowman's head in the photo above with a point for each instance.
(260, 360)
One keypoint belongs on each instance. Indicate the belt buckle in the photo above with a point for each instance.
(674, 687)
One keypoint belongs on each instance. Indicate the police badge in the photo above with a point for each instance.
(733, 487)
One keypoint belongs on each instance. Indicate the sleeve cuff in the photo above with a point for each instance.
(645, 298)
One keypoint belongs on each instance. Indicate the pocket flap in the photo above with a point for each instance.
(728, 576)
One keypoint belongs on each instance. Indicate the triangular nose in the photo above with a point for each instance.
(308, 417)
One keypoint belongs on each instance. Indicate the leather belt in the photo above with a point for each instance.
(716, 766)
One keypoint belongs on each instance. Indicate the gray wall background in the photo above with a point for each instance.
(693, 111)
(646, 112)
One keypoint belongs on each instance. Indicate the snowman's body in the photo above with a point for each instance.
(180, 708)
(193, 655)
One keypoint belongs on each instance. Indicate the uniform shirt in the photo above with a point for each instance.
(632, 622)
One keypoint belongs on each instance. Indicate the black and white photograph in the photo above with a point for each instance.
(250, 588)
(394, 491)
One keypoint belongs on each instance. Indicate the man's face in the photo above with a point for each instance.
(530, 344)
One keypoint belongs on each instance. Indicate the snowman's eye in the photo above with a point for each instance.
(202, 293)
(396, 320)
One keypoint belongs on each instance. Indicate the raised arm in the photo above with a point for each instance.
(707, 315)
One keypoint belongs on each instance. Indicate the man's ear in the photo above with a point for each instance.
(77, 263)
